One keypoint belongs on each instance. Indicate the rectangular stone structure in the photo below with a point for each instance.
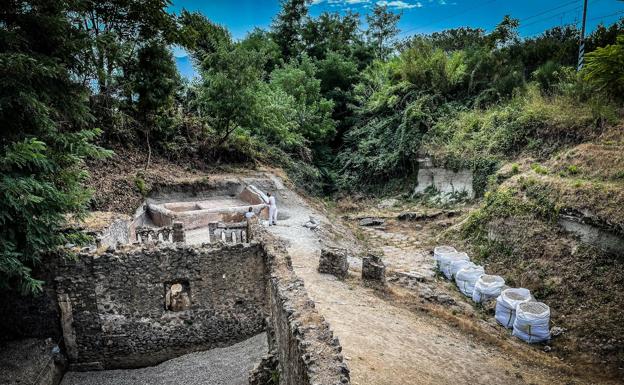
(373, 269)
(334, 261)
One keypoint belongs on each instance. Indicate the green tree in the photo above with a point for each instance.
(262, 41)
(382, 27)
(338, 75)
(200, 36)
(230, 77)
(331, 32)
(155, 80)
(313, 112)
(116, 31)
(45, 137)
(287, 25)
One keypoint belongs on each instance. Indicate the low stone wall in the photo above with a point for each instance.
(118, 233)
(307, 349)
(373, 269)
(31, 362)
(114, 306)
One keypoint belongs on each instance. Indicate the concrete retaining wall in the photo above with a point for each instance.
(443, 180)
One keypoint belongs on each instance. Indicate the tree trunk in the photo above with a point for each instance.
(149, 150)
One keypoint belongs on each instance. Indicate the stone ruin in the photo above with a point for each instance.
(215, 215)
(373, 270)
(150, 293)
(334, 261)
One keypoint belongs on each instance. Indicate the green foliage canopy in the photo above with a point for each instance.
(45, 136)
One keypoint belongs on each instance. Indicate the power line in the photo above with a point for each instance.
(450, 16)
(550, 17)
(577, 22)
(550, 10)
(560, 6)
(578, 7)
(620, 12)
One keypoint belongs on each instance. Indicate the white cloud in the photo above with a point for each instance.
(340, 2)
(398, 4)
(394, 4)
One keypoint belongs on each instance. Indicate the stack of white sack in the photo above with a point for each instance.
(458, 265)
(532, 322)
(439, 251)
(507, 302)
(467, 277)
(447, 259)
(487, 287)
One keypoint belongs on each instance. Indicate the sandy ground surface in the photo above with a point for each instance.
(222, 366)
(385, 343)
(198, 236)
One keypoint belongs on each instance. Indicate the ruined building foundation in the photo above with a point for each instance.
(147, 293)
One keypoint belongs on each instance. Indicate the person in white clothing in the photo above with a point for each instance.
(272, 210)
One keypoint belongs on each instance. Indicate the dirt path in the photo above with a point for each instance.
(385, 343)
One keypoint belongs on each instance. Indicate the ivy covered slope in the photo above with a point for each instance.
(519, 233)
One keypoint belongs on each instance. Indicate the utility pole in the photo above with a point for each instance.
(581, 55)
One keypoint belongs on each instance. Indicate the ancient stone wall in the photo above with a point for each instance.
(114, 306)
(308, 352)
(118, 233)
(138, 306)
(334, 261)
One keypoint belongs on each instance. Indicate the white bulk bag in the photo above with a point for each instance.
(487, 287)
(447, 259)
(506, 305)
(441, 250)
(532, 322)
(458, 265)
(467, 277)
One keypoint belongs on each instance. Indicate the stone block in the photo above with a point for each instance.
(178, 232)
(334, 261)
(373, 269)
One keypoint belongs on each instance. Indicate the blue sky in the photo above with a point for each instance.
(418, 16)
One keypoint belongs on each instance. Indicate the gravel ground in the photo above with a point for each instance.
(28, 361)
(222, 366)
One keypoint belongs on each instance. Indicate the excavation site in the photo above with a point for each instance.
(185, 289)
(311, 192)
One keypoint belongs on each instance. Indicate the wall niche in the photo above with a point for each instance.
(177, 295)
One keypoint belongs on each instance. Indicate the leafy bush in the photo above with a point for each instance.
(605, 68)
